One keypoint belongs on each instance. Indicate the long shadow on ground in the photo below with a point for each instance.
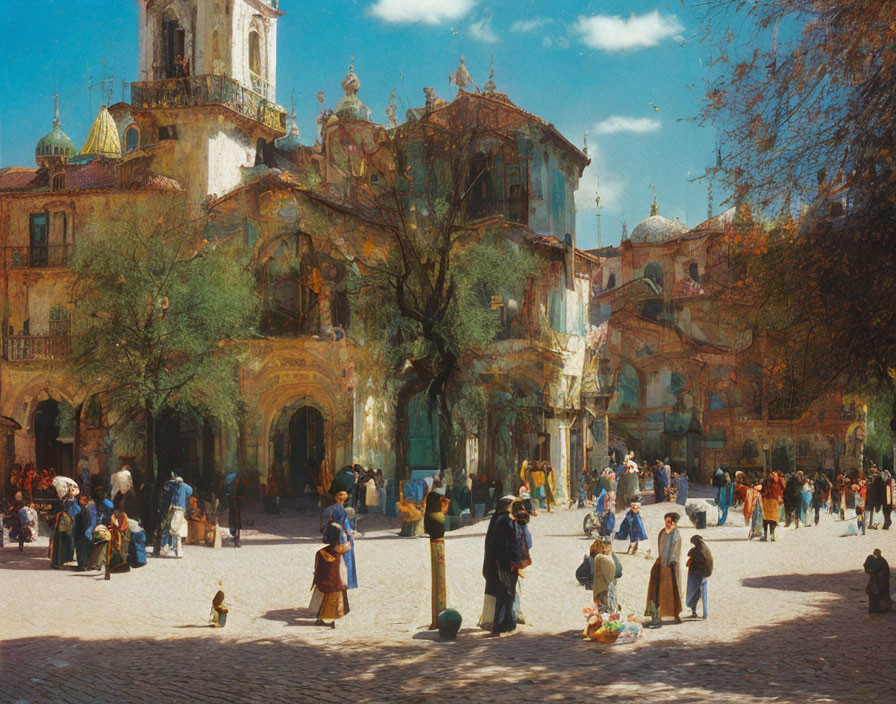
(809, 659)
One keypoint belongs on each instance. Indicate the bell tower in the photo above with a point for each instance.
(235, 38)
(207, 73)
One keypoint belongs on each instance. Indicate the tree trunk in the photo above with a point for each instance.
(446, 433)
(153, 520)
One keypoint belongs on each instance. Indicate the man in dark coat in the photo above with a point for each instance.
(874, 498)
(499, 566)
(792, 498)
(821, 486)
(659, 483)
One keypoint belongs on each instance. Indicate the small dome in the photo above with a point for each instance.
(657, 229)
(103, 138)
(350, 106)
(56, 143)
(291, 140)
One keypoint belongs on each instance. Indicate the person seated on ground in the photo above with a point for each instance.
(195, 523)
(607, 569)
(411, 513)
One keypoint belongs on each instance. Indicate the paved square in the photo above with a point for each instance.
(788, 623)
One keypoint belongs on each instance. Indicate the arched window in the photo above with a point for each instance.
(694, 272)
(58, 183)
(131, 139)
(255, 52)
(611, 282)
(654, 272)
(174, 60)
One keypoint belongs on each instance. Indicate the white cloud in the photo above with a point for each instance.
(524, 26)
(620, 123)
(481, 30)
(614, 33)
(425, 11)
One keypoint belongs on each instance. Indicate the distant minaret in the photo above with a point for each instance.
(654, 210)
(600, 243)
(709, 200)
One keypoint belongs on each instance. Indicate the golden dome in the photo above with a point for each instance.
(103, 139)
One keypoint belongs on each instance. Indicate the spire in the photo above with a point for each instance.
(351, 84)
(55, 146)
(490, 88)
(624, 230)
(390, 110)
(585, 146)
(350, 106)
(654, 210)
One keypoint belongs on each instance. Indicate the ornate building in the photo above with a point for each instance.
(687, 374)
(202, 121)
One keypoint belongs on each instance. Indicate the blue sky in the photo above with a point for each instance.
(630, 72)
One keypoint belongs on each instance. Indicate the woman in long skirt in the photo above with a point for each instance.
(329, 600)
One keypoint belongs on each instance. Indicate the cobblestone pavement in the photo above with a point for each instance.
(788, 623)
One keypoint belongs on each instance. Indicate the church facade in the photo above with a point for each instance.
(203, 121)
(687, 371)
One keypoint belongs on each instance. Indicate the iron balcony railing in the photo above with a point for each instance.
(26, 347)
(37, 257)
(209, 89)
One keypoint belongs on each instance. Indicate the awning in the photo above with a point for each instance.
(9, 423)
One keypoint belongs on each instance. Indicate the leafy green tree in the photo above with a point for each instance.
(158, 308)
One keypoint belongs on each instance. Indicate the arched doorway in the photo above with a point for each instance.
(54, 436)
(299, 447)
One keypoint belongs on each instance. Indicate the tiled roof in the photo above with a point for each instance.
(17, 178)
(96, 174)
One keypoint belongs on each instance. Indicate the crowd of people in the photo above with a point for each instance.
(97, 521)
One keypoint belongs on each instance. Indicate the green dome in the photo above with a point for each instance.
(56, 143)
(351, 106)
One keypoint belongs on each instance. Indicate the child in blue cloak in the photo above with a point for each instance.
(604, 508)
(632, 528)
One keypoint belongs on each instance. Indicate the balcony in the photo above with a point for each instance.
(54, 255)
(18, 348)
(513, 209)
(198, 91)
